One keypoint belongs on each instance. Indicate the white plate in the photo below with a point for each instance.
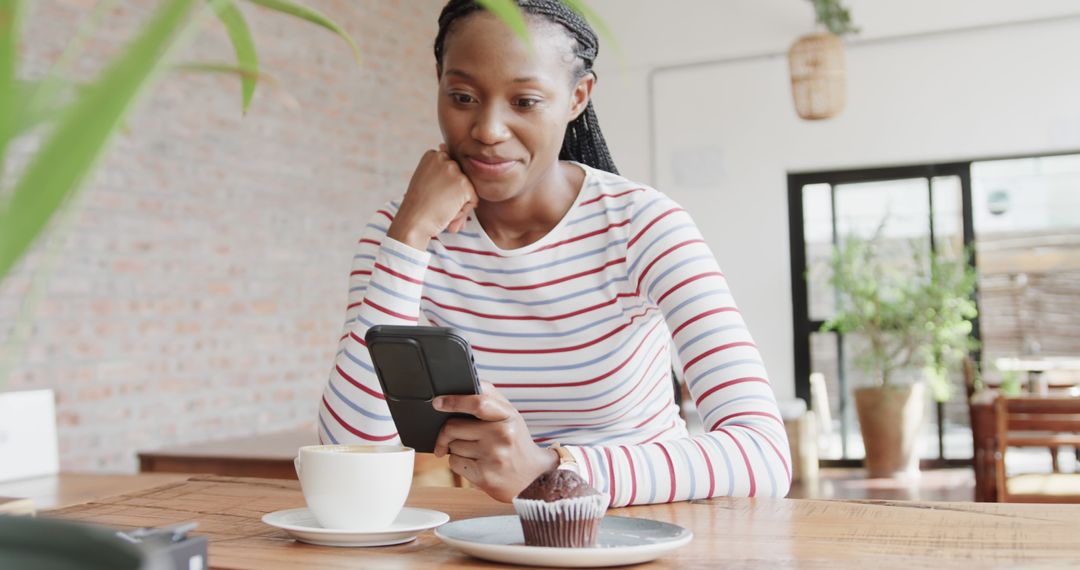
(622, 540)
(301, 524)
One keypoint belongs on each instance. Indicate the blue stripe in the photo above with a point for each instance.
(392, 293)
(652, 474)
(358, 289)
(600, 427)
(600, 213)
(326, 429)
(671, 314)
(363, 256)
(643, 255)
(728, 364)
(706, 418)
(627, 339)
(367, 367)
(404, 257)
(518, 270)
(707, 334)
(768, 464)
(546, 301)
(600, 462)
(715, 440)
(357, 408)
(440, 318)
(657, 279)
(689, 468)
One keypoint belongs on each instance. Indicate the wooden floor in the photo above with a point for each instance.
(931, 485)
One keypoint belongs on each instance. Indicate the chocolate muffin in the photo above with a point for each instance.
(560, 509)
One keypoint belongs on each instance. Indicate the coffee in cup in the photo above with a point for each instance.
(355, 487)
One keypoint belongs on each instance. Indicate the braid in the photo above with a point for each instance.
(583, 141)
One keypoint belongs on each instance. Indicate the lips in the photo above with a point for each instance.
(490, 165)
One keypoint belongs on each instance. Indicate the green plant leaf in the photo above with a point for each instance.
(243, 45)
(313, 16)
(225, 68)
(81, 135)
(10, 11)
(510, 14)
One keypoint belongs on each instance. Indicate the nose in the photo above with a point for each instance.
(489, 127)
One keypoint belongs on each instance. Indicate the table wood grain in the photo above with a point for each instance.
(729, 532)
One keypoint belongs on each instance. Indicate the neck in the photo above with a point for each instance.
(530, 215)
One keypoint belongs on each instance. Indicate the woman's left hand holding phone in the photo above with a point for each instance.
(494, 451)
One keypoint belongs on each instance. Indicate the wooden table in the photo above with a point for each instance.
(52, 491)
(729, 533)
(268, 456)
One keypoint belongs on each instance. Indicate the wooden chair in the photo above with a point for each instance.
(1036, 422)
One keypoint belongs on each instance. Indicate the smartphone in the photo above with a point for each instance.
(414, 365)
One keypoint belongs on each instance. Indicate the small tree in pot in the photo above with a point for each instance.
(905, 316)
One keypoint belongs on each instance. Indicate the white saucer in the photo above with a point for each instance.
(301, 524)
(622, 541)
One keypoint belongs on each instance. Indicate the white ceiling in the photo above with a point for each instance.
(653, 33)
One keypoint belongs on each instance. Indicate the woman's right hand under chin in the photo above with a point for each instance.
(439, 198)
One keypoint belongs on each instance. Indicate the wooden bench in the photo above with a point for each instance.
(1036, 422)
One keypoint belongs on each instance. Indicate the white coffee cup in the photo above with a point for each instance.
(355, 487)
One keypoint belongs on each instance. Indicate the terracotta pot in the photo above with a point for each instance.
(891, 418)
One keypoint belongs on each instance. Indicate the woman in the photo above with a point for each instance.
(569, 281)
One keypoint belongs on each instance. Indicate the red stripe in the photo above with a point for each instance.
(388, 215)
(714, 350)
(590, 380)
(354, 305)
(650, 224)
(586, 235)
(688, 281)
(371, 241)
(467, 250)
(661, 432)
(633, 476)
(358, 339)
(353, 381)
(360, 272)
(353, 430)
(661, 256)
(383, 309)
(702, 316)
(628, 409)
(740, 414)
(609, 404)
(746, 460)
(708, 465)
(398, 275)
(528, 317)
(527, 287)
(775, 449)
(588, 464)
(606, 336)
(658, 412)
(710, 391)
(602, 196)
(611, 474)
(671, 471)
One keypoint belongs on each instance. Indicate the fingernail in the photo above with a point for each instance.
(437, 403)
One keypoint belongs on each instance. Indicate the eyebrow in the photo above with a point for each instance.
(463, 75)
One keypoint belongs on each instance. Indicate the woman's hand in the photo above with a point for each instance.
(439, 197)
(495, 451)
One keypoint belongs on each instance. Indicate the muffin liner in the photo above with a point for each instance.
(568, 523)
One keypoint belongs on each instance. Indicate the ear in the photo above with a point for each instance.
(579, 98)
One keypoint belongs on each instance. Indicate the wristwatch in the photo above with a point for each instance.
(566, 459)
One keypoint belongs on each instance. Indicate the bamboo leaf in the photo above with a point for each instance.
(73, 148)
(243, 45)
(311, 15)
(225, 68)
(509, 12)
(10, 11)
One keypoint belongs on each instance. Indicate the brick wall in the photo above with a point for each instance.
(200, 285)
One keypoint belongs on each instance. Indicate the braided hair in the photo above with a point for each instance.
(583, 141)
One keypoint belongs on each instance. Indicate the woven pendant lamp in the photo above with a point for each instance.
(818, 75)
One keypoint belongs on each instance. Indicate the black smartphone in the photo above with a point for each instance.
(414, 365)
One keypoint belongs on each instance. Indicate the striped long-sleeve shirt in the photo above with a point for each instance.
(575, 330)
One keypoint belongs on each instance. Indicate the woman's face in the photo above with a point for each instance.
(503, 109)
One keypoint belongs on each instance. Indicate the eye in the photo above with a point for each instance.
(462, 98)
(527, 103)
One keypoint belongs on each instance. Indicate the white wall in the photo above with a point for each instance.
(987, 82)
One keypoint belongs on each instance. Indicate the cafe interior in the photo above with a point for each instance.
(891, 189)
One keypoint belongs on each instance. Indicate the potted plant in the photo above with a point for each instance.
(902, 317)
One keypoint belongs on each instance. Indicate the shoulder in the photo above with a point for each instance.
(605, 190)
